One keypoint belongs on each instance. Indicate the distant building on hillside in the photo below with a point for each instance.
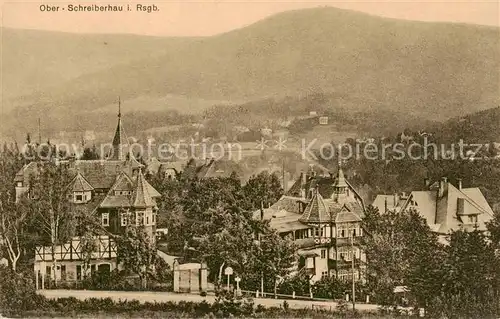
(323, 120)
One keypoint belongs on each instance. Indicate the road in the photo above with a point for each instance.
(147, 296)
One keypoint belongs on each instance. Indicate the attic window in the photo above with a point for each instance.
(78, 198)
(472, 219)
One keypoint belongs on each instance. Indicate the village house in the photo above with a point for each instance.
(444, 206)
(115, 191)
(322, 215)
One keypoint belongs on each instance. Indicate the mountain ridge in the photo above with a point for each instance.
(436, 70)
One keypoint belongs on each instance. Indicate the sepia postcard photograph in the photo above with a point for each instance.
(250, 159)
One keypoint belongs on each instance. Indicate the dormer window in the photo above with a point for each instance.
(79, 198)
(19, 184)
(472, 219)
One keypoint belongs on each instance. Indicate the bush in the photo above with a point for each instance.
(17, 291)
(227, 304)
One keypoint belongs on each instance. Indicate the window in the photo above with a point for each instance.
(124, 218)
(341, 232)
(324, 274)
(105, 219)
(63, 272)
(472, 219)
(345, 254)
(346, 275)
(19, 184)
(323, 253)
(318, 231)
(79, 198)
(139, 218)
(78, 272)
(147, 218)
(153, 219)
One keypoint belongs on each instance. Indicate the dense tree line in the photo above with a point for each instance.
(456, 276)
(212, 220)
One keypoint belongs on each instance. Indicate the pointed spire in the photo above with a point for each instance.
(119, 107)
(120, 139)
(340, 181)
(141, 197)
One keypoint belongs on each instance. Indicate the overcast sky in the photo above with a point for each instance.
(208, 17)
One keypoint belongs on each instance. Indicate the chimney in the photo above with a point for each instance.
(303, 178)
(395, 199)
(459, 181)
(426, 183)
(443, 183)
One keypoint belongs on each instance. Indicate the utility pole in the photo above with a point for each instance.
(39, 133)
(285, 186)
(353, 276)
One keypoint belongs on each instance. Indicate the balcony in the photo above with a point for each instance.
(345, 241)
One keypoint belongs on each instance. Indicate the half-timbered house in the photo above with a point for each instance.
(114, 191)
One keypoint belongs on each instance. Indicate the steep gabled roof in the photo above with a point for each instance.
(441, 212)
(151, 190)
(316, 211)
(141, 197)
(123, 183)
(346, 215)
(80, 184)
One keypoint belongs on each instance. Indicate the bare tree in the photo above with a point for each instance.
(53, 210)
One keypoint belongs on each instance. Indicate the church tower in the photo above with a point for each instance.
(120, 142)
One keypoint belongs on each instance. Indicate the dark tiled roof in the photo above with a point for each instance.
(123, 183)
(80, 184)
(151, 190)
(316, 211)
(154, 166)
(346, 216)
(141, 197)
(288, 203)
(90, 206)
(337, 207)
(101, 174)
(113, 201)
